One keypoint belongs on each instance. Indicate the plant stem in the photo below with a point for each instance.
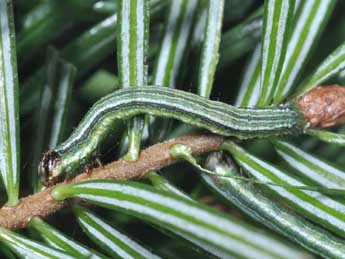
(151, 159)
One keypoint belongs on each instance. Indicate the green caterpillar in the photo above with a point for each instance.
(77, 151)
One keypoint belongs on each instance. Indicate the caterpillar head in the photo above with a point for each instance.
(49, 168)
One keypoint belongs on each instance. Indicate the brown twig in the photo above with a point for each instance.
(151, 159)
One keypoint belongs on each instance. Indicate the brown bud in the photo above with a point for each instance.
(324, 106)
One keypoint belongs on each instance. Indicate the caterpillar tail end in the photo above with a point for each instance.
(49, 168)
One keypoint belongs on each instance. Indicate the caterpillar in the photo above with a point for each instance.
(77, 151)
